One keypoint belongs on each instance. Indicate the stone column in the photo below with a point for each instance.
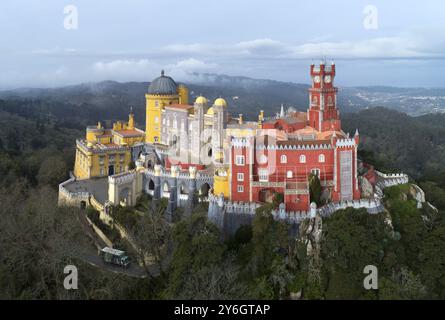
(173, 200)
(192, 200)
(157, 182)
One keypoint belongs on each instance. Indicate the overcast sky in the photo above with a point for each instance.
(133, 40)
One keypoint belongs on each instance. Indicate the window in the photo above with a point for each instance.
(156, 103)
(314, 100)
(289, 174)
(240, 188)
(263, 175)
(156, 119)
(239, 160)
(302, 158)
(240, 176)
(321, 158)
(102, 171)
(283, 158)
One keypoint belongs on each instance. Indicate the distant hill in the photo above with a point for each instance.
(394, 141)
(110, 100)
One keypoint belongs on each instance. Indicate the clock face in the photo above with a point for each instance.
(327, 79)
(317, 79)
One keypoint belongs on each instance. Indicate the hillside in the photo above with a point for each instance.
(110, 100)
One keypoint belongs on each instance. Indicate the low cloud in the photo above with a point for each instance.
(144, 69)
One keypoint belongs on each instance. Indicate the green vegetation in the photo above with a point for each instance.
(37, 239)
(315, 189)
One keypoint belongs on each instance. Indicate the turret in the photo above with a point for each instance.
(131, 119)
(323, 113)
(356, 137)
(241, 119)
(183, 93)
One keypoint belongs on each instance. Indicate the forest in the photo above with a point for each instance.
(37, 238)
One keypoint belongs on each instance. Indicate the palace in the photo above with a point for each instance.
(288, 148)
(106, 151)
(237, 165)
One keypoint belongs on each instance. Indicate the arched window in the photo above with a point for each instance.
(289, 174)
(302, 158)
(283, 158)
(321, 158)
(314, 100)
(330, 102)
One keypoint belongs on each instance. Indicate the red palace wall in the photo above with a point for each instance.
(323, 115)
(245, 170)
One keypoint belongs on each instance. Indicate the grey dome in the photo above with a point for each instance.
(163, 85)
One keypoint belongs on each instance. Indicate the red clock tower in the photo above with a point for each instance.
(323, 114)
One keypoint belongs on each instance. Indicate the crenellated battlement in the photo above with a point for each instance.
(122, 178)
(343, 143)
(295, 147)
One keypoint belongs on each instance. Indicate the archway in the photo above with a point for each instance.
(209, 152)
(265, 196)
(124, 196)
(183, 189)
(204, 191)
(151, 185)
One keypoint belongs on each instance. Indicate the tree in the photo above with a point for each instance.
(432, 261)
(196, 250)
(403, 284)
(278, 198)
(52, 171)
(352, 239)
(151, 234)
(315, 189)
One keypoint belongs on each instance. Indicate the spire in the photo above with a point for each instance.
(282, 111)
(162, 72)
(356, 132)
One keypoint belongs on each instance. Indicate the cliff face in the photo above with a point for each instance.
(311, 231)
